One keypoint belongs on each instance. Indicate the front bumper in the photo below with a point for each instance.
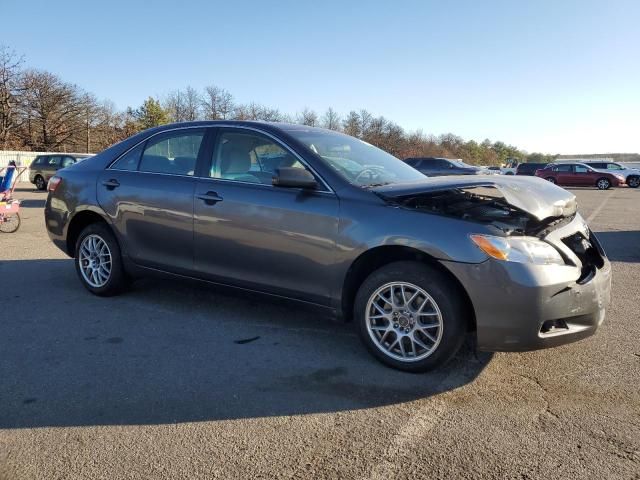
(516, 303)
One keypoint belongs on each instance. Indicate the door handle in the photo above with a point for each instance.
(210, 198)
(111, 184)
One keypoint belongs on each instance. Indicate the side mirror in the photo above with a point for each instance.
(293, 178)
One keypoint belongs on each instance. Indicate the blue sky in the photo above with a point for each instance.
(550, 76)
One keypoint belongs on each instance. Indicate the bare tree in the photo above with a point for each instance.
(52, 109)
(10, 92)
(217, 103)
(175, 105)
(331, 119)
(365, 122)
(351, 124)
(308, 117)
(192, 102)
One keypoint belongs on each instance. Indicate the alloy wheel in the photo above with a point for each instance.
(94, 258)
(603, 184)
(404, 321)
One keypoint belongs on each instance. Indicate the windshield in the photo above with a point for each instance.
(356, 161)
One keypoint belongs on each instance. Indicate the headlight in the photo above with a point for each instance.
(518, 249)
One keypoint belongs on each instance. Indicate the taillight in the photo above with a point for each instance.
(53, 183)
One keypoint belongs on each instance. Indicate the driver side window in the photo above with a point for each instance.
(247, 156)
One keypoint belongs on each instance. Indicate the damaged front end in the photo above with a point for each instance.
(534, 220)
(546, 280)
(521, 206)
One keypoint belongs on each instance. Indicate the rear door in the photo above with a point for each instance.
(564, 174)
(148, 193)
(252, 234)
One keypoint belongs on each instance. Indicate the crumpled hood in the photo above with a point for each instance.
(539, 198)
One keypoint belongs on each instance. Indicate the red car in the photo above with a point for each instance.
(579, 175)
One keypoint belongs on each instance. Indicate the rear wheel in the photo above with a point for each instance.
(10, 223)
(40, 183)
(603, 184)
(409, 316)
(633, 181)
(98, 261)
(550, 179)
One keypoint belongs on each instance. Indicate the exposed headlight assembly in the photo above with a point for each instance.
(518, 249)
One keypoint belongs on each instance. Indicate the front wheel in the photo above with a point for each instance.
(409, 316)
(603, 184)
(633, 181)
(98, 261)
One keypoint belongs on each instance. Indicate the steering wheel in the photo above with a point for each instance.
(371, 171)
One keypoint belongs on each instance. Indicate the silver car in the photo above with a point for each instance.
(321, 218)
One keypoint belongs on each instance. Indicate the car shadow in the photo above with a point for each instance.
(621, 246)
(168, 352)
(31, 203)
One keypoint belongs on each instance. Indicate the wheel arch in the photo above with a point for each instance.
(377, 257)
(79, 222)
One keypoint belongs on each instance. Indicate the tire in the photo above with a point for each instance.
(392, 342)
(551, 179)
(633, 181)
(603, 184)
(10, 224)
(103, 279)
(40, 183)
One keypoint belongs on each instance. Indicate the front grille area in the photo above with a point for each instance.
(589, 251)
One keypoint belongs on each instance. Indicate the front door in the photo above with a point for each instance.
(148, 193)
(582, 176)
(251, 234)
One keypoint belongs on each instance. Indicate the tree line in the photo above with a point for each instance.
(40, 111)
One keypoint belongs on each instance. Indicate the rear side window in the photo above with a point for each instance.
(414, 162)
(129, 161)
(173, 153)
(68, 161)
(53, 161)
(599, 165)
(38, 161)
(434, 163)
(562, 168)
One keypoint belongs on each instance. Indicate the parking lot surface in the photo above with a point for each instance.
(175, 380)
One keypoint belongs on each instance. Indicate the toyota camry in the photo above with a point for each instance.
(316, 216)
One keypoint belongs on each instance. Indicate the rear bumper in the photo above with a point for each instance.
(515, 303)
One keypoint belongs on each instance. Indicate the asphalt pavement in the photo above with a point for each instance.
(181, 380)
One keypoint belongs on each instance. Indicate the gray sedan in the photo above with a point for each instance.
(328, 220)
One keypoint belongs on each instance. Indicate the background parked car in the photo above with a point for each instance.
(529, 168)
(631, 175)
(44, 167)
(579, 174)
(437, 167)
